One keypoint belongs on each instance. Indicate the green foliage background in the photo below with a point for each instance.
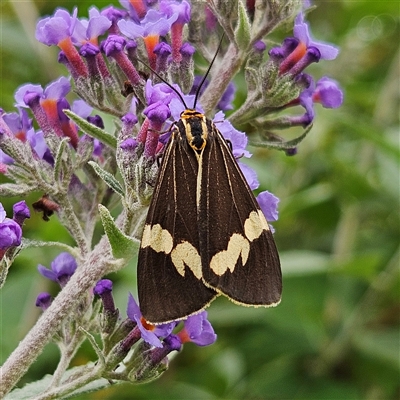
(336, 333)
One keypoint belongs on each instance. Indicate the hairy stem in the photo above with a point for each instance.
(227, 68)
(97, 264)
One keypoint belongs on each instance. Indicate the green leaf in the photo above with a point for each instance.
(59, 158)
(122, 245)
(290, 144)
(243, 28)
(12, 189)
(92, 130)
(108, 178)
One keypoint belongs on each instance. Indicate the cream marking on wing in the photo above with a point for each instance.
(227, 259)
(186, 254)
(159, 239)
(263, 220)
(254, 225)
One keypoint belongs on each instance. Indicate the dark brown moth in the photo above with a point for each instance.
(204, 234)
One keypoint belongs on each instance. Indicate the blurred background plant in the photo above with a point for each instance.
(336, 333)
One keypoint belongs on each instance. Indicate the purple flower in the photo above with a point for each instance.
(250, 174)
(157, 113)
(297, 53)
(269, 205)
(10, 232)
(62, 268)
(113, 44)
(307, 102)
(21, 126)
(36, 139)
(43, 300)
(52, 30)
(103, 289)
(328, 93)
(53, 91)
(156, 359)
(129, 144)
(89, 50)
(301, 32)
(20, 212)
(113, 14)
(5, 160)
(159, 93)
(259, 46)
(81, 108)
(187, 51)
(176, 106)
(154, 23)
(163, 51)
(172, 7)
(291, 152)
(58, 30)
(150, 333)
(113, 47)
(181, 9)
(227, 98)
(129, 119)
(47, 105)
(137, 9)
(89, 30)
(198, 330)
(237, 138)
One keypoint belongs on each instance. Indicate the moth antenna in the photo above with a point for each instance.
(164, 81)
(207, 72)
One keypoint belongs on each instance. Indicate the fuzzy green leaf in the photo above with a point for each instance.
(92, 130)
(122, 246)
(108, 178)
(58, 164)
(13, 189)
(283, 145)
(243, 28)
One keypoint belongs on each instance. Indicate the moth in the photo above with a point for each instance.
(205, 234)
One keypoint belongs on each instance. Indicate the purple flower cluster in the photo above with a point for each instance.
(157, 340)
(292, 58)
(196, 328)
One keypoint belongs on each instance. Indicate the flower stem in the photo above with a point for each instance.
(221, 78)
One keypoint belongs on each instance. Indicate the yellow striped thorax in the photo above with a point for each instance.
(195, 126)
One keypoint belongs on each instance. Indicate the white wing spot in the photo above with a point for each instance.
(227, 259)
(159, 239)
(186, 254)
(255, 224)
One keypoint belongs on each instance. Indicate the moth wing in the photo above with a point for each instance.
(239, 255)
(169, 264)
